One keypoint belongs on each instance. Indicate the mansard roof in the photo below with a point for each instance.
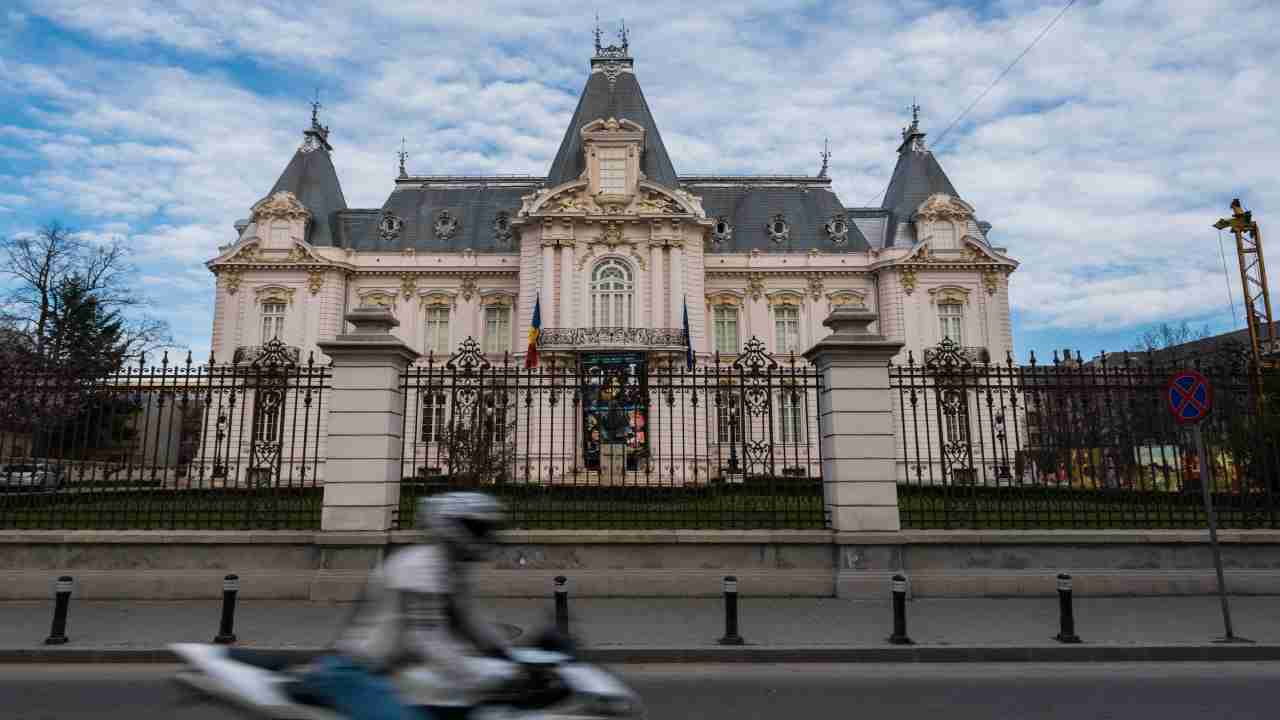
(612, 91)
(418, 203)
(311, 177)
(749, 204)
(916, 177)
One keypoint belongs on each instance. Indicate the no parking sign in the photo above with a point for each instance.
(1190, 397)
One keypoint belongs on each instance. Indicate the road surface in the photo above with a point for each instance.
(742, 692)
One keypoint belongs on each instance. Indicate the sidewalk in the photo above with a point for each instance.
(653, 629)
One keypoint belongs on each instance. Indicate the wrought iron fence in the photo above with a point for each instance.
(222, 446)
(619, 439)
(1080, 445)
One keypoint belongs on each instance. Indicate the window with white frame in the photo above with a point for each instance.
(725, 328)
(786, 325)
(613, 170)
(791, 420)
(728, 418)
(266, 416)
(951, 322)
(497, 329)
(437, 329)
(612, 291)
(433, 407)
(272, 320)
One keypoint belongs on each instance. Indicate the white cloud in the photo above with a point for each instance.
(1101, 159)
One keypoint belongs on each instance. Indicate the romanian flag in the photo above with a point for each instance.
(535, 329)
(688, 341)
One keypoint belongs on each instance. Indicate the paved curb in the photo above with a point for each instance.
(748, 654)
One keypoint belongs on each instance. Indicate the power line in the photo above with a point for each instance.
(995, 82)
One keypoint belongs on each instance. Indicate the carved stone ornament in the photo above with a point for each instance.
(389, 227)
(612, 71)
(315, 281)
(408, 285)
(409, 251)
(502, 227)
(282, 205)
(248, 253)
(498, 299)
(786, 297)
(908, 276)
(572, 203)
(378, 299)
(756, 286)
(468, 288)
(612, 234)
(274, 293)
(721, 231)
(838, 230)
(778, 229)
(446, 225)
(657, 203)
(949, 294)
(944, 207)
(723, 299)
(435, 299)
(231, 279)
(843, 298)
(310, 144)
(991, 281)
(815, 287)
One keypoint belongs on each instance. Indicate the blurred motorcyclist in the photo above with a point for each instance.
(418, 610)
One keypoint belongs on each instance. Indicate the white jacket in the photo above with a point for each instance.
(417, 609)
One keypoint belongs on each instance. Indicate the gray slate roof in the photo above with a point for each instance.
(916, 176)
(475, 205)
(750, 206)
(310, 176)
(623, 100)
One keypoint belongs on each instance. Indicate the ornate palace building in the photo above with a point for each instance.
(616, 244)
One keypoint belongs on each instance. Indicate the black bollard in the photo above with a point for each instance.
(899, 636)
(562, 605)
(1066, 619)
(731, 636)
(226, 629)
(62, 590)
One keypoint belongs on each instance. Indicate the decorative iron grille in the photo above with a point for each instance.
(220, 446)
(619, 439)
(1080, 445)
(612, 337)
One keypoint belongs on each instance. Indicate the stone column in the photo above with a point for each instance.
(655, 293)
(677, 287)
(566, 285)
(545, 284)
(362, 471)
(855, 423)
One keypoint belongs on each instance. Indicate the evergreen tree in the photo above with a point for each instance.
(83, 340)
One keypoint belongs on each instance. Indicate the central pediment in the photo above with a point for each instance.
(574, 199)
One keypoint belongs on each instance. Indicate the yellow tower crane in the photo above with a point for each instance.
(1253, 280)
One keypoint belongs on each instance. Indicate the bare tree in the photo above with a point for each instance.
(41, 263)
(1167, 335)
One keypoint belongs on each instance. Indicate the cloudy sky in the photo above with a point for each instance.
(1101, 159)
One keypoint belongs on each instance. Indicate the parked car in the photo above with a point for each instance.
(31, 475)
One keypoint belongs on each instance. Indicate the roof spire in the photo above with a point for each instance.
(912, 137)
(315, 137)
(403, 156)
(611, 52)
(826, 155)
(599, 47)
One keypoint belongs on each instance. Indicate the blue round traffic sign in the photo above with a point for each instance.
(1190, 397)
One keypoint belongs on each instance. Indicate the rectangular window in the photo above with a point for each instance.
(951, 321)
(725, 319)
(266, 416)
(613, 171)
(497, 329)
(791, 406)
(786, 324)
(272, 321)
(438, 330)
(432, 417)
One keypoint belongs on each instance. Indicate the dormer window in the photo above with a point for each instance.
(613, 171)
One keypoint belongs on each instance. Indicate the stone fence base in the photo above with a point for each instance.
(329, 566)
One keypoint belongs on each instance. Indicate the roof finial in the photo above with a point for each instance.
(915, 114)
(912, 137)
(826, 155)
(315, 111)
(403, 156)
(316, 136)
(599, 47)
(622, 35)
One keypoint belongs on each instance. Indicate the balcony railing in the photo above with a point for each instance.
(551, 338)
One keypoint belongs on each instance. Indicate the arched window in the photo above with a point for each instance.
(611, 294)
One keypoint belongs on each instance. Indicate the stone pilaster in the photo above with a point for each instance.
(366, 423)
(855, 421)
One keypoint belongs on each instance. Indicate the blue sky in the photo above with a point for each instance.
(1101, 160)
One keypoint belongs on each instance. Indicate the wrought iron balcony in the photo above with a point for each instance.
(611, 337)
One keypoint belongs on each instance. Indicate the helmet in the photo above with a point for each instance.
(465, 522)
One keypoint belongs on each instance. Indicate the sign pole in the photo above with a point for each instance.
(1206, 478)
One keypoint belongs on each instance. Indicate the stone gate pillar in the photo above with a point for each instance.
(362, 470)
(855, 423)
